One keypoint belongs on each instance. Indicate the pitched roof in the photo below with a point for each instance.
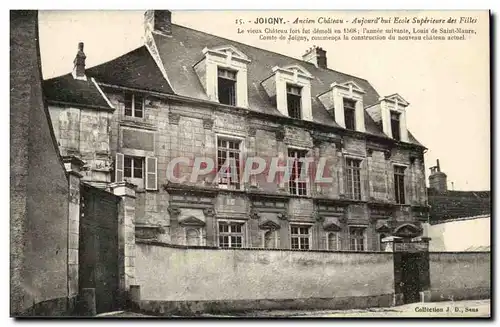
(69, 90)
(458, 204)
(184, 48)
(135, 69)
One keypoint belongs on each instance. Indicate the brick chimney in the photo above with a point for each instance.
(438, 179)
(316, 56)
(79, 63)
(158, 21)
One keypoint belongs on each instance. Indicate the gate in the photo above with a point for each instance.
(411, 271)
(98, 246)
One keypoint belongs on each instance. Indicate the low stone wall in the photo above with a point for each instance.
(175, 279)
(460, 275)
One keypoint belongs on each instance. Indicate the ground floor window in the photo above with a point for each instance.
(357, 237)
(332, 241)
(231, 234)
(193, 236)
(300, 237)
(381, 244)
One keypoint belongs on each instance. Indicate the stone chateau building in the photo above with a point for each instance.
(186, 93)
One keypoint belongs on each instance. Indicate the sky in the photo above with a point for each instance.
(446, 83)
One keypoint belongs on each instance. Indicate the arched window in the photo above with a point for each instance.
(269, 239)
(192, 236)
(333, 241)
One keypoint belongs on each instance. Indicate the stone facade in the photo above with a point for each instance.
(172, 129)
(190, 126)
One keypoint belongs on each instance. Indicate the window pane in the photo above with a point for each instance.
(295, 242)
(138, 163)
(127, 166)
(128, 104)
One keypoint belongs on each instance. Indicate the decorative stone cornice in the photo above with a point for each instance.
(173, 211)
(254, 214)
(280, 134)
(174, 118)
(209, 212)
(282, 216)
(208, 123)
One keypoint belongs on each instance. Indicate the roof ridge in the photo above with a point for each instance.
(280, 54)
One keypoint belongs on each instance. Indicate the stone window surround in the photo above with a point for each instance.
(226, 57)
(348, 90)
(201, 234)
(396, 104)
(133, 109)
(405, 180)
(244, 229)
(308, 182)
(232, 137)
(309, 225)
(347, 155)
(275, 235)
(365, 239)
(297, 76)
(337, 238)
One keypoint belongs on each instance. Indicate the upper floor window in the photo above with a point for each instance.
(134, 105)
(141, 171)
(350, 114)
(300, 237)
(133, 167)
(293, 98)
(395, 125)
(353, 178)
(230, 234)
(228, 158)
(226, 84)
(297, 184)
(399, 184)
(357, 238)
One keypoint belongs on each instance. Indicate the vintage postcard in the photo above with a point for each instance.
(169, 163)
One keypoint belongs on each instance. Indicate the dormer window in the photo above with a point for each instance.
(395, 127)
(345, 103)
(290, 88)
(226, 85)
(223, 73)
(293, 99)
(390, 112)
(134, 105)
(350, 114)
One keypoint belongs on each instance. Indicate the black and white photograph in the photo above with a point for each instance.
(250, 164)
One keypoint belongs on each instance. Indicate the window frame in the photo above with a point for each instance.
(337, 241)
(350, 110)
(297, 99)
(350, 189)
(133, 103)
(234, 80)
(229, 138)
(298, 184)
(398, 120)
(230, 233)
(356, 239)
(399, 188)
(300, 237)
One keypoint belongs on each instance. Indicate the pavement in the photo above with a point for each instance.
(449, 309)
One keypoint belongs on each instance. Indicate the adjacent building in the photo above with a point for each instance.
(189, 94)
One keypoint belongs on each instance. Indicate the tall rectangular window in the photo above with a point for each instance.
(230, 234)
(357, 238)
(350, 114)
(228, 156)
(300, 237)
(395, 125)
(293, 98)
(134, 105)
(296, 184)
(226, 83)
(353, 178)
(399, 184)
